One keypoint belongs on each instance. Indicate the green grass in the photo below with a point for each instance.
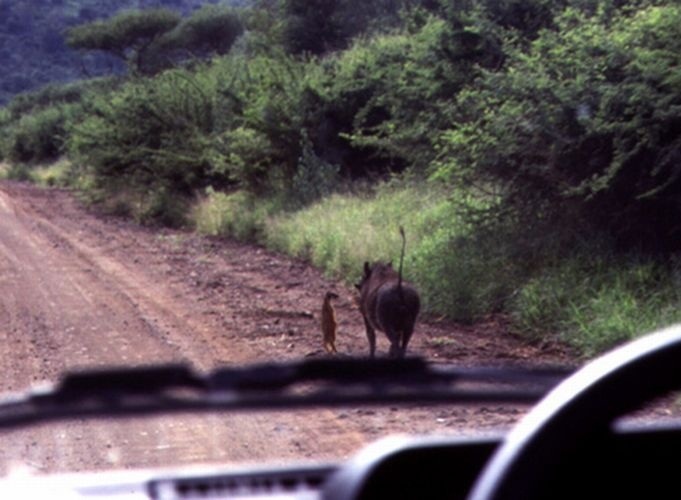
(595, 303)
(60, 173)
(55, 174)
(341, 232)
(236, 214)
(15, 172)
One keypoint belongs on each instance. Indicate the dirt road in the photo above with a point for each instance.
(81, 290)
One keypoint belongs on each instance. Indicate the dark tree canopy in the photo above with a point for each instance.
(127, 35)
(321, 26)
(210, 30)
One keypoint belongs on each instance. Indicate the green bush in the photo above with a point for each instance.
(268, 105)
(247, 157)
(33, 125)
(37, 137)
(322, 26)
(59, 173)
(581, 127)
(54, 94)
(17, 173)
(314, 177)
(151, 136)
(389, 96)
(162, 207)
(210, 30)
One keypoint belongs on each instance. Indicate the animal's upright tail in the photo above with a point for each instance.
(399, 273)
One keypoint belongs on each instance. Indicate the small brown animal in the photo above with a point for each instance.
(388, 304)
(329, 323)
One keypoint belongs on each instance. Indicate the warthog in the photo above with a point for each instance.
(388, 304)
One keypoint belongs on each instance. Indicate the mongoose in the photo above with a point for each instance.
(329, 323)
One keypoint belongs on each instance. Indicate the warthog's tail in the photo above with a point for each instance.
(399, 273)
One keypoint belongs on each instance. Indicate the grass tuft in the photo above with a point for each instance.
(596, 305)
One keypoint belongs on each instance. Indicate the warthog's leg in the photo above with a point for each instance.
(398, 343)
(371, 336)
(405, 337)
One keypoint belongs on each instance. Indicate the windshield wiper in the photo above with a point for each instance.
(308, 383)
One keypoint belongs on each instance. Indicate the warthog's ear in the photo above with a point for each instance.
(367, 269)
(390, 264)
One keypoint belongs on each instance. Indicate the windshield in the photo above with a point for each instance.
(222, 184)
(91, 292)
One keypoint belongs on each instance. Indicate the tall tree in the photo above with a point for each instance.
(128, 35)
(312, 26)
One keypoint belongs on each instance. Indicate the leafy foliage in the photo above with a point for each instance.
(128, 35)
(269, 102)
(208, 31)
(34, 125)
(151, 136)
(237, 214)
(314, 178)
(583, 127)
(37, 137)
(321, 26)
(390, 95)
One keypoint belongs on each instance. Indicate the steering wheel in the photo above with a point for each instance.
(579, 409)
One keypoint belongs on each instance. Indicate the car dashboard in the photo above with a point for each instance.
(634, 462)
(574, 443)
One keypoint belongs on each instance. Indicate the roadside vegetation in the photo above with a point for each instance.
(530, 148)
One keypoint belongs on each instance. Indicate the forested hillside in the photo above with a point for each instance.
(32, 48)
(530, 148)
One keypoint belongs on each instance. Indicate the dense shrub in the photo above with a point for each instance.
(237, 215)
(47, 96)
(267, 105)
(37, 137)
(151, 135)
(391, 95)
(314, 177)
(322, 26)
(583, 128)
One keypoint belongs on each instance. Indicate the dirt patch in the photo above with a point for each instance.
(81, 290)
